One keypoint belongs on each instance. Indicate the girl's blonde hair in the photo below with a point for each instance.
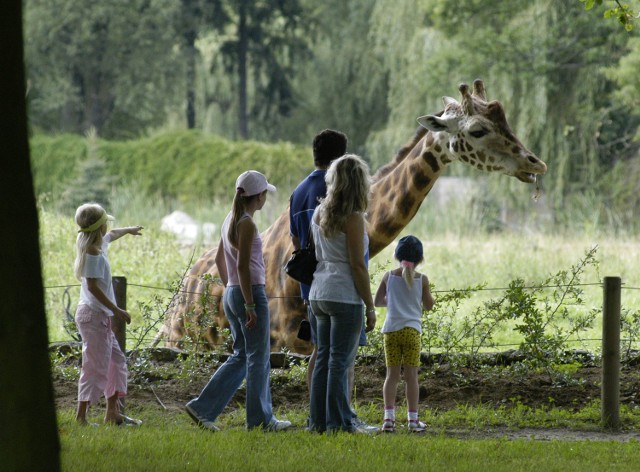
(348, 183)
(408, 273)
(238, 209)
(409, 253)
(87, 215)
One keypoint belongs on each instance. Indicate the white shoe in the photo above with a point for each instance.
(278, 425)
(416, 426)
(205, 424)
(388, 426)
(362, 427)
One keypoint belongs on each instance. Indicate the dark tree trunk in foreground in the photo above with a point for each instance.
(28, 430)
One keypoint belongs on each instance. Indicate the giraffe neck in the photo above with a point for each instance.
(400, 188)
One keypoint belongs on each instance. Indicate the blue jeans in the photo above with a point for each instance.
(313, 324)
(339, 326)
(250, 359)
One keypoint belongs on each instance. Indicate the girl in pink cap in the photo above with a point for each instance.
(405, 292)
(104, 366)
(241, 267)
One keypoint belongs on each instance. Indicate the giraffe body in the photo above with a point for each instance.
(472, 131)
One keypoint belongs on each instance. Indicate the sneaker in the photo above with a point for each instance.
(388, 426)
(204, 424)
(130, 421)
(278, 425)
(362, 427)
(416, 426)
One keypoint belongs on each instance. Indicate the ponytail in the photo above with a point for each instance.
(237, 210)
(408, 272)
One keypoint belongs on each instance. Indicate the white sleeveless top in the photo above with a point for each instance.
(404, 305)
(333, 279)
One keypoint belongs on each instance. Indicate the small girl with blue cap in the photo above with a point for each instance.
(405, 292)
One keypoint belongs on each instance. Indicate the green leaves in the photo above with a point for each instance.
(588, 4)
(622, 12)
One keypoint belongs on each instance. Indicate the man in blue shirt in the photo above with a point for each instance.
(328, 145)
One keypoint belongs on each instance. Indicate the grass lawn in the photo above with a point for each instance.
(169, 441)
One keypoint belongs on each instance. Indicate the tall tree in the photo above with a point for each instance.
(259, 48)
(110, 65)
(344, 84)
(28, 432)
(196, 16)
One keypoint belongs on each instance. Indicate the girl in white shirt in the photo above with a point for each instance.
(405, 292)
(104, 366)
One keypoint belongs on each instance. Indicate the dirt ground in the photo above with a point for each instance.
(442, 388)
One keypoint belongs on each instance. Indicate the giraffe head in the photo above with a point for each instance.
(476, 132)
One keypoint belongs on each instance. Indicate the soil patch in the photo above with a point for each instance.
(442, 388)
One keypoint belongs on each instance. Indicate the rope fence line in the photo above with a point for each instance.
(483, 289)
(205, 342)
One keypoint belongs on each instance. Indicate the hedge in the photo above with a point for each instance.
(180, 164)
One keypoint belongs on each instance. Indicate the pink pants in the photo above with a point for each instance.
(104, 366)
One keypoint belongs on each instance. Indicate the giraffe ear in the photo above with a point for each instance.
(435, 123)
(449, 100)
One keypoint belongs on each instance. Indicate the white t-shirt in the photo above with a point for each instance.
(97, 267)
(404, 305)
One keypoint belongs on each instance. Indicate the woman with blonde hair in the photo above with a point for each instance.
(340, 290)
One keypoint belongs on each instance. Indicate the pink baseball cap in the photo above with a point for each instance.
(253, 182)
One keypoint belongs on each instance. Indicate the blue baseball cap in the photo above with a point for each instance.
(409, 249)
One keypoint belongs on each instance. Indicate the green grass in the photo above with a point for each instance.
(154, 261)
(169, 441)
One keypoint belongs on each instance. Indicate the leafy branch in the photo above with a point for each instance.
(622, 12)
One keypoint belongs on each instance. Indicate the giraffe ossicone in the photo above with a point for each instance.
(472, 131)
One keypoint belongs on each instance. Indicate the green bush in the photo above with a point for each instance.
(184, 165)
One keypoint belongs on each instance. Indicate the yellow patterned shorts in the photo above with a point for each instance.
(402, 347)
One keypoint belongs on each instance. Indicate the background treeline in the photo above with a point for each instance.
(275, 71)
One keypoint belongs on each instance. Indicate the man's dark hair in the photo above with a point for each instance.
(328, 145)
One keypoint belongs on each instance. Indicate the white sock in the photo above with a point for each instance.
(389, 413)
(413, 416)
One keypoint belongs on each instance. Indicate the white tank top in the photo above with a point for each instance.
(333, 279)
(404, 304)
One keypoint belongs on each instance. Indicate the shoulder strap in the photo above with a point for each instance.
(310, 243)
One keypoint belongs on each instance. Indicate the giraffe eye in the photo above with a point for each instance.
(478, 133)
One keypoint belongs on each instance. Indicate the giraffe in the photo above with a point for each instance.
(471, 130)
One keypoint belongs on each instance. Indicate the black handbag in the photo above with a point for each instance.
(302, 263)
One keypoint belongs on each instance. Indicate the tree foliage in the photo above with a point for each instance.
(258, 46)
(285, 70)
(107, 65)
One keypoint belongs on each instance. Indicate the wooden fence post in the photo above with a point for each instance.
(118, 326)
(611, 353)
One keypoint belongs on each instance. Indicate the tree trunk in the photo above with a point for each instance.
(190, 57)
(243, 44)
(191, 16)
(28, 431)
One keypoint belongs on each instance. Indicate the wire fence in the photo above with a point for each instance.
(196, 343)
(270, 297)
